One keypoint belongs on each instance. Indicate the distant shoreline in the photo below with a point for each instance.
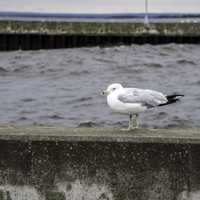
(98, 16)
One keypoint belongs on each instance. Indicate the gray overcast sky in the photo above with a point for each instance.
(100, 6)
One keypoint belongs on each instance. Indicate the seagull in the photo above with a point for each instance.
(133, 101)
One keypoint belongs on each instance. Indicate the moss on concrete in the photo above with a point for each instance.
(2, 195)
(5, 195)
(55, 196)
(95, 28)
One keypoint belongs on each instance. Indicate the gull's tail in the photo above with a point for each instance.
(172, 99)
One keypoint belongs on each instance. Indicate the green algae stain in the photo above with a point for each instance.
(5, 195)
(54, 196)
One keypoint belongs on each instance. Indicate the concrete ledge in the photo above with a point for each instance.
(50, 133)
(57, 163)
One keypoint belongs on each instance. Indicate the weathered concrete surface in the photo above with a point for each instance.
(95, 28)
(50, 133)
(55, 163)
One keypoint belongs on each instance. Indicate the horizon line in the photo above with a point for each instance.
(97, 13)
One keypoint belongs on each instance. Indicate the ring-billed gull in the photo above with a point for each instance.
(133, 101)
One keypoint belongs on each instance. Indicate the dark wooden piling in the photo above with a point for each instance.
(10, 42)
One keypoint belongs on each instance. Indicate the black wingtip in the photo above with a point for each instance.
(172, 99)
(174, 96)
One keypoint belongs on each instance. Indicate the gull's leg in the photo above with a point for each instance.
(130, 124)
(136, 122)
(133, 122)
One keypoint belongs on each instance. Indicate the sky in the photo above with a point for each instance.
(100, 6)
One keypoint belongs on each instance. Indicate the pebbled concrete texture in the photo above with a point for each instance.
(56, 163)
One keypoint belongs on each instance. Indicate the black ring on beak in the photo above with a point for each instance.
(103, 93)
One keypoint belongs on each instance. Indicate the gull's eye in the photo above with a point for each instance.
(114, 89)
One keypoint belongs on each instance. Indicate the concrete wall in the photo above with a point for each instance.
(96, 171)
(27, 35)
(45, 164)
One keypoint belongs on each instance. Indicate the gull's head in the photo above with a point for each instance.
(111, 88)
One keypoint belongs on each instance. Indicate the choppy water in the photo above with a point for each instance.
(63, 86)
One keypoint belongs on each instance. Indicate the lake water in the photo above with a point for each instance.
(107, 20)
(62, 87)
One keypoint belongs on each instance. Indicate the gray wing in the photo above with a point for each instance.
(148, 98)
